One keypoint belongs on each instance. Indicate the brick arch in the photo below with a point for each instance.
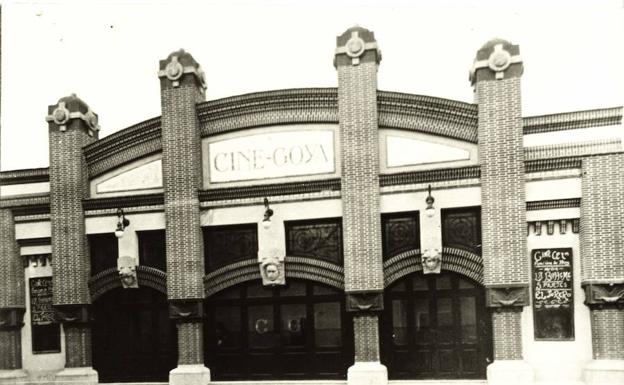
(456, 260)
(296, 267)
(108, 279)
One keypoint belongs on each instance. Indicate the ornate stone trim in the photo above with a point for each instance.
(296, 267)
(537, 226)
(456, 260)
(123, 201)
(429, 176)
(269, 190)
(572, 120)
(507, 296)
(186, 310)
(12, 318)
(108, 279)
(31, 175)
(553, 204)
(37, 259)
(604, 295)
(364, 301)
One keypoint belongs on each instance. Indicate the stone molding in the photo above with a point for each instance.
(604, 295)
(72, 314)
(507, 297)
(12, 318)
(186, 310)
(364, 301)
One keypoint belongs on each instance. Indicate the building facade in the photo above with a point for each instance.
(344, 235)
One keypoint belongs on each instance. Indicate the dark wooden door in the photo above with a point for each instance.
(300, 331)
(435, 326)
(133, 338)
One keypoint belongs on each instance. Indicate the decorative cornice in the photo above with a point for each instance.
(553, 204)
(269, 190)
(31, 205)
(427, 114)
(594, 147)
(541, 165)
(30, 175)
(428, 176)
(123, 201)
(572, 120)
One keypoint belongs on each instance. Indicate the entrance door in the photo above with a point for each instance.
(436, 326)
(300, 331)
(133, 338)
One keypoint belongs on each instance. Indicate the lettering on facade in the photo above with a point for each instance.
(553, 300)
(41, 311)
(271, 155)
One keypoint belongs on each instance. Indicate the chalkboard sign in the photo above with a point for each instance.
(553, 300)
(46, 336)
(41, 312)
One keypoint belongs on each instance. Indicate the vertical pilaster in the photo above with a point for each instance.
(496, 78)
(357, 59)
(602, 245)
(12, 305)
(182, 87)
(72, 125)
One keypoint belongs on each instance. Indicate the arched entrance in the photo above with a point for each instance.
(133, 338)
(300, 331)
(436, 326)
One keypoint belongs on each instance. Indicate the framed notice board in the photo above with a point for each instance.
(553, 299)
(46, 334)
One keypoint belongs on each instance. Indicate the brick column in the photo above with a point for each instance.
(72, 125)
(357, 59)
(182, 87)
(602, 246)
(496, 79)
(12, 305)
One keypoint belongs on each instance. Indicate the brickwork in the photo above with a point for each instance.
(181, 90)
(602, 218)
(11, 270)
(366, 329)
(190, 343)
(77, 346)
(10, 349)
(608, 334)
(357, 108)
(507, 331)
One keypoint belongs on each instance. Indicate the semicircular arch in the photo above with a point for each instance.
(108, 279)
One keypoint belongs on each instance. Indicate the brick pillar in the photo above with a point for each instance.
(496, 79)
(72, 125)
(182, 87)
(357, 59)
(602, 246)
(12, 305)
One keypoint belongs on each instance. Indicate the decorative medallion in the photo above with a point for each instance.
(431, 261)
(126, 266)
(355, 48)
(272, 269)
(174, 70)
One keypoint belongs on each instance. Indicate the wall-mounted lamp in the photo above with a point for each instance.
(122, 223)
(429, 210)
(268, 213)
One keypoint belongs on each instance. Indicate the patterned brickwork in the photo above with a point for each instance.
(69, 184)
(11, 270)
(573, 149)
(608, 334)
(190, 343)
(366, 329)
(181, 181)
(507, 334)
(572, 120)
(357, 106)
(77, 346)
(10, 349)
(502, 182)
(602, 218)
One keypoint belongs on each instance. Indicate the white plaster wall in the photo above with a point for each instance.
(38, 365)
(33, 230)
(564, 188)
(13, 190)
(559, 362)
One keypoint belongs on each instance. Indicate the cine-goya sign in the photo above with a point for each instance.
(553, 301)
(41, 311)
(270, 155)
